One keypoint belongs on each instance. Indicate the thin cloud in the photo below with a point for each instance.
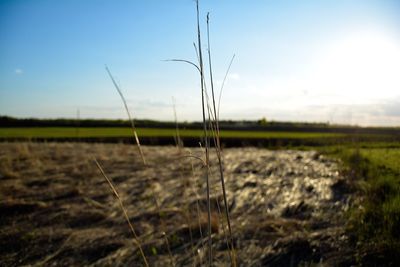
(18, 71)
(234, 76)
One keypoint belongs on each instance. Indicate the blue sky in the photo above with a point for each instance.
(336, 61)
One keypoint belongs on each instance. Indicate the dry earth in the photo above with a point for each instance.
(57, 209)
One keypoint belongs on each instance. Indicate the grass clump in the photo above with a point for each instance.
(375, 224)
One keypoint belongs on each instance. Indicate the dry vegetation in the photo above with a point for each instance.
(57, 209)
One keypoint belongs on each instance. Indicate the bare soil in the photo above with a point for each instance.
(287, 207)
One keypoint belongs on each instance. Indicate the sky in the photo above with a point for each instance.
(314, 61)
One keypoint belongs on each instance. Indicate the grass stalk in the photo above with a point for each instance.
(213, 116)
(197, 196)
(114, 190)
(222, 85)
(206, 141)
(218, 144)
(163, 225)
(178, 140)
(129, 115)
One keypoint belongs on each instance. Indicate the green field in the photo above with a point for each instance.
(388, 158)
(374, 169)
(71, 132)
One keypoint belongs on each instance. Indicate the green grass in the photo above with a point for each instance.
(374, 224)
(71, 132)
(383, 157)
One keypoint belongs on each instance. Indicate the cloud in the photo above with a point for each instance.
(148, 103)
(18, 71)
(392, 107)
(101, 108)
(384, 112)
(374, 114)
(234, 76)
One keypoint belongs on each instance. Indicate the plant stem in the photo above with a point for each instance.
(218, 145)
(205, 134)
(129, 115)
(135, 237)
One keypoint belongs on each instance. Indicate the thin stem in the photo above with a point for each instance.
(184, 61)
(205, 134)
(178, 140)
(135, 237)
(223, 83)
(218, 145)
(163, 225)
(129, 115)
(192, 156)
(197, 52)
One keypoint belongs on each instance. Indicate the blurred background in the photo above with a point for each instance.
(313, 61)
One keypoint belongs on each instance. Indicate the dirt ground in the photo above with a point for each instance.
(287, 207)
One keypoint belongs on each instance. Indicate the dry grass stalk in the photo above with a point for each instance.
(222, 86)
(129, 116)
(135, 237)
(197, 198)
(218, 145)
(178, 140)
(213, 126)
(206, 140)
(163, 225)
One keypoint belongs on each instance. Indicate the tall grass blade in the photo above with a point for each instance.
(163, 225)
(178, 140)
(206, 141)
(135, 237)
(218, 145)
(223, 83)
(129, 115)
(184, 61)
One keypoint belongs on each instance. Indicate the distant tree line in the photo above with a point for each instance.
(250, 125)
(7, 121)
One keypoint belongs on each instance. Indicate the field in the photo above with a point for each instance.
(57, 209)
(70, 132)
(235, 137)
(333, 203)
(375, 223)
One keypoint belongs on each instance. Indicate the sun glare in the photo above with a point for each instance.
(361, 67)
